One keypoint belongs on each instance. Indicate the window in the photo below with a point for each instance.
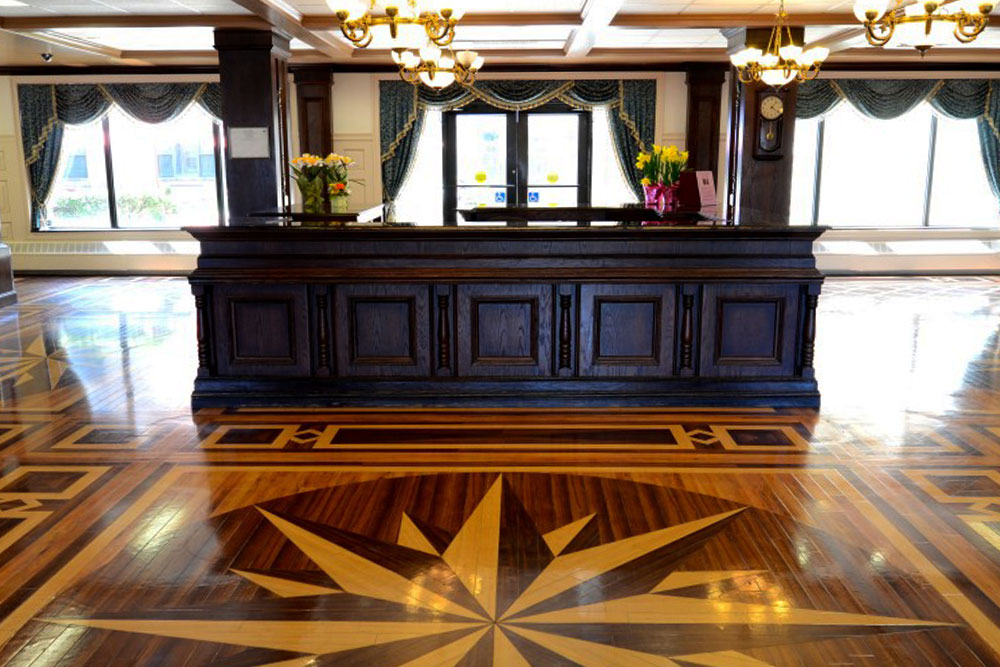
(609, 187)
(419, 200)
(162, 176)
(921, 169)
(421, 197)
(500, 158)
(79, 196)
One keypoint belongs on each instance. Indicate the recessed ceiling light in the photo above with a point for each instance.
(12, 3)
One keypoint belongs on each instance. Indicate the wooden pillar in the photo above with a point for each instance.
(765, 126)
(252, 74)
(313, 93)
(704, 108)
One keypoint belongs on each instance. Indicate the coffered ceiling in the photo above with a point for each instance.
(551, 32)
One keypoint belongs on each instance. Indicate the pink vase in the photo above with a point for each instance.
(654, 198)
(669, 198)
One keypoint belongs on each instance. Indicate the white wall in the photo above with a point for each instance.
(355, 133)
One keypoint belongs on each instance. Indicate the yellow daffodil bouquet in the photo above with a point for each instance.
(663, 165)
(319, 178)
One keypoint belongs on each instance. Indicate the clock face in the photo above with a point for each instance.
(771, 107)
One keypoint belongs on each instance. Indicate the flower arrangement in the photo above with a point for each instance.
(661, 170)
(319, 178)
(663, 165)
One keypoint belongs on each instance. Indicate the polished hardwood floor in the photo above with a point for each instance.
(133, 532)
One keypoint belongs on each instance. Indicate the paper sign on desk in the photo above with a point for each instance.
(706, 188)
(249, 142)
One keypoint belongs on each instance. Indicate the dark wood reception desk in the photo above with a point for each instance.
(506, 316)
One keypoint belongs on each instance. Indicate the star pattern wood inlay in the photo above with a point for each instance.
(499, 588)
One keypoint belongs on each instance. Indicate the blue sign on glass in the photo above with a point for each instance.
(500, 197)
(533, 197)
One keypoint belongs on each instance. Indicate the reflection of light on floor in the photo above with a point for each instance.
(886, 356)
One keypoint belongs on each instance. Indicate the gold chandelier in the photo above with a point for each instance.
(358, 17)
(924, 24)
(436, 69)
(782, 61)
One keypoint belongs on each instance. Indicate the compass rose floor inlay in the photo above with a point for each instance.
(135, 533)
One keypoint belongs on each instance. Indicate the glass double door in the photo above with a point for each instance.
(503, 159)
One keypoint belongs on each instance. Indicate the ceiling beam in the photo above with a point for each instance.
(330, 22)
(762, 20)
(839, 40)
(288, 20)
(597, 15)
(198, 54)
(132, 21)
(959, 55)
(384, 54)
(687, 53)
(54, 38)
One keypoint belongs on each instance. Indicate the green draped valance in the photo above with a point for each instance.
(46, 108)
(632, 116)
(890, 98)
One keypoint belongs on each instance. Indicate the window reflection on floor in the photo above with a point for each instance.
(889, 350)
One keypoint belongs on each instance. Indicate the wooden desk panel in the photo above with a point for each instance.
(552, 316)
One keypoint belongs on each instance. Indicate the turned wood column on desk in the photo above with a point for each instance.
(252, 75)
(506, 316)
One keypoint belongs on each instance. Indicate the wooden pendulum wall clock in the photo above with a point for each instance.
(770, 124)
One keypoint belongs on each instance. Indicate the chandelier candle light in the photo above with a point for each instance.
(436, 68)
(782, 61)
(924, 24)
(404, 18)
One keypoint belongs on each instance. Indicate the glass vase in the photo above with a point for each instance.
(312, 191)
(338, 203)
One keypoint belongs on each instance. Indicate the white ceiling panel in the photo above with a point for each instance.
(662, 38)
(459, 45)
(147, 39)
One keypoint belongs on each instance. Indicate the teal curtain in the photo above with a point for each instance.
(989, 136)
(890, 98)
(41, 137)
(633, 125)
(631, 115)
(401, 120)
(46, 108)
